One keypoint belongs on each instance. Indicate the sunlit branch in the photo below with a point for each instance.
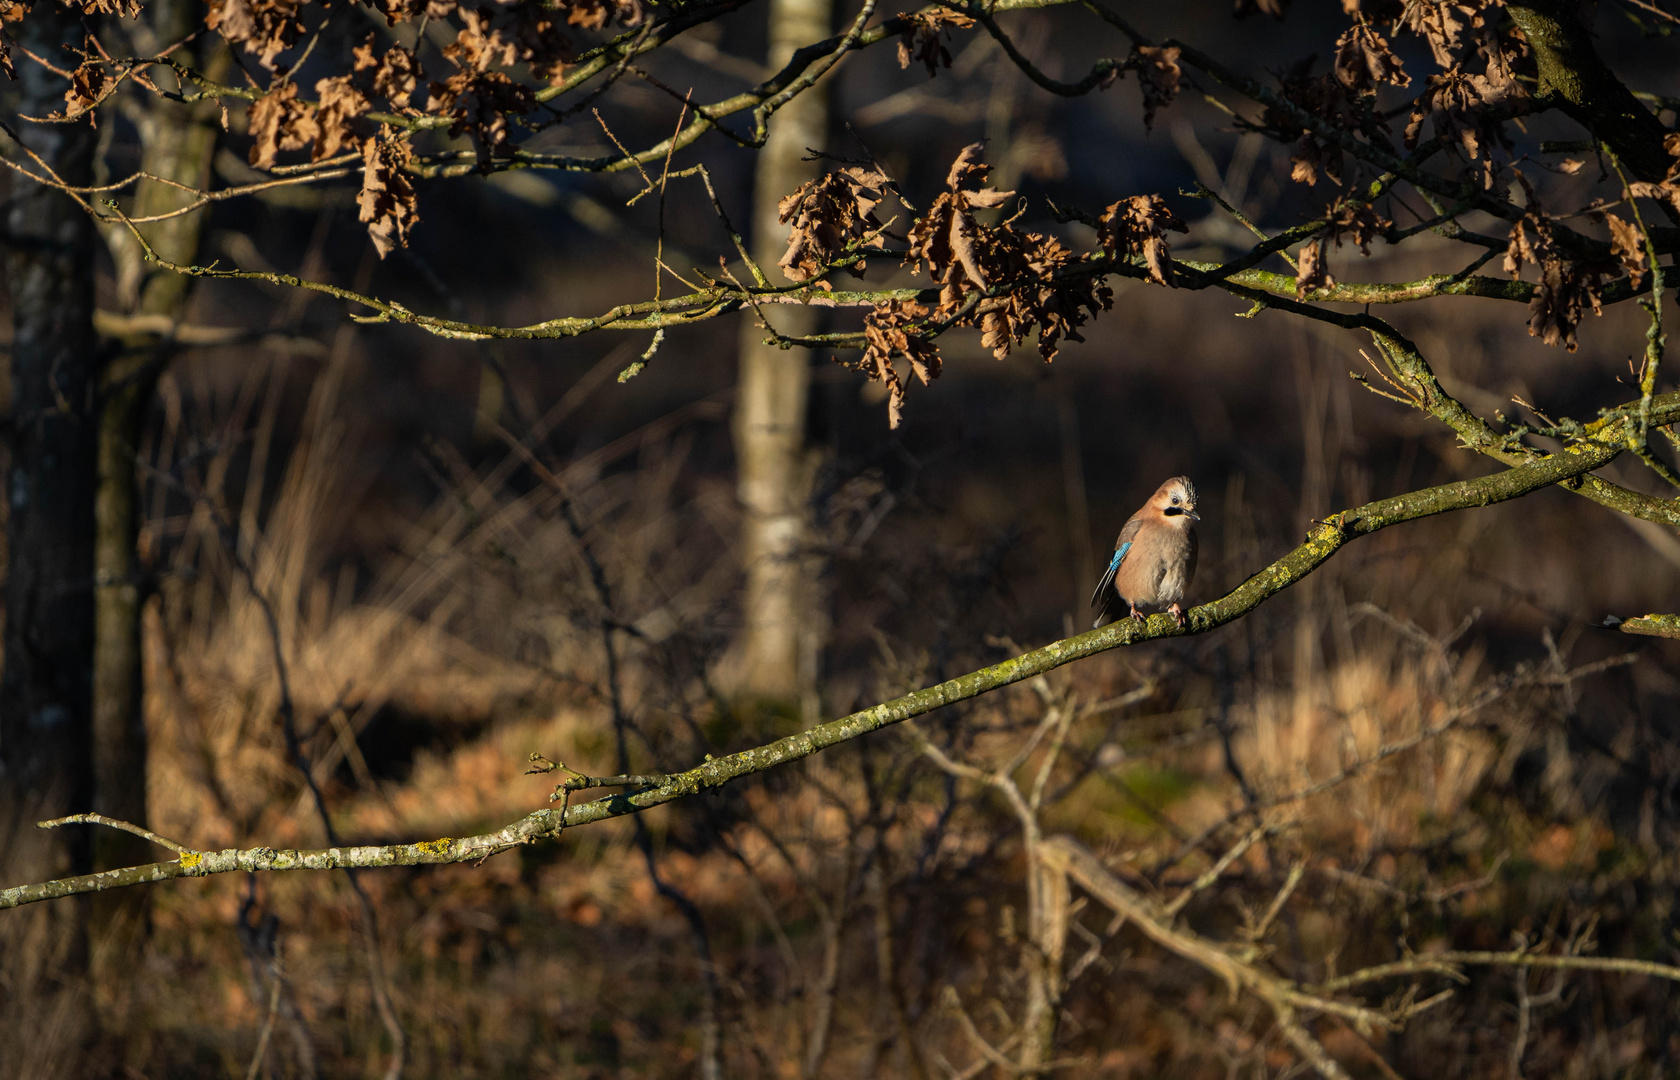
(1325, 539)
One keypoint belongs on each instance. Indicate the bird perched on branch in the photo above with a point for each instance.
(1154, 558)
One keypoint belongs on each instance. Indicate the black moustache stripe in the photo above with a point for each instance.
(1173, 510)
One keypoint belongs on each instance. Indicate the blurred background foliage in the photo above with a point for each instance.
(424, 517)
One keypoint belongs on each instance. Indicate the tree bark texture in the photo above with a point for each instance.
(178, 142)
(782, 627)
(1576, 80)
(46, 686)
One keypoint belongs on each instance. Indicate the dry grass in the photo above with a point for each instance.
(425, 665)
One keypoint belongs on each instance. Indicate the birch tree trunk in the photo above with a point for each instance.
(46, 687)
(782, 629)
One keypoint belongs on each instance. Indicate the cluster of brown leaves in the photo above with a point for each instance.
(11, 11)
(1364, 60)
(478, 96)
(337, 120)
(1467, 106)
(280, 120)
(1358, 222)
(1006, 282)
(392, 76)
(387, 201)
(1138, 226)
(1159, 75)
(265, 28)
(1444, 23)
(1347, 219)
(924, 35)
(1330, 100)
(830, 216)
(889, 331)
(1567, 288)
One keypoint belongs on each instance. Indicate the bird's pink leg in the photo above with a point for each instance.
(1177, 614)
(1136, 614)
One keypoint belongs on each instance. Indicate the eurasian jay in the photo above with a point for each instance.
(1154, 558)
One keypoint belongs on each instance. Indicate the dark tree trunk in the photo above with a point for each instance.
(46, 687)
(178, 141)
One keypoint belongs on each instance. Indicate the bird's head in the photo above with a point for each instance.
(1175, 501)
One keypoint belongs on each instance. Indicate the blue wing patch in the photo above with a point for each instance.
(1108, 575)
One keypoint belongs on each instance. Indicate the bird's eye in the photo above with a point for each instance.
(1175, 500)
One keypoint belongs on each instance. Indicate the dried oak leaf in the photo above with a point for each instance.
(480, 103)
(394, 75)
(924, 35)
(1024, 273)
(595, 14)
(1139, 226)
(1325, 97)
(89, 82)
(1462, 106)
(1531, 241)
(1039, 295)
(1307, 158)
(1358, 222)
(1501, 47)
(1158, 74)
(279, 121)
(542, 44)
(387, 201)
(10, 11)
(1628, 246)
(480, 45)
(1364, 60)
(1667, 191)
(1442, 23)
(338, 116)
(1561, 299)
(400, 11)
(264, 27)
(1312, 270)
(829, 215)
(1566, 289)
(125, 9)
(944, 238)
(887, 332)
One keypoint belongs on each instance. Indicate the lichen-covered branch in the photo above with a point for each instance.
(1325, 539)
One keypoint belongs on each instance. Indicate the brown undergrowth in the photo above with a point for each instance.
(864, 913)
